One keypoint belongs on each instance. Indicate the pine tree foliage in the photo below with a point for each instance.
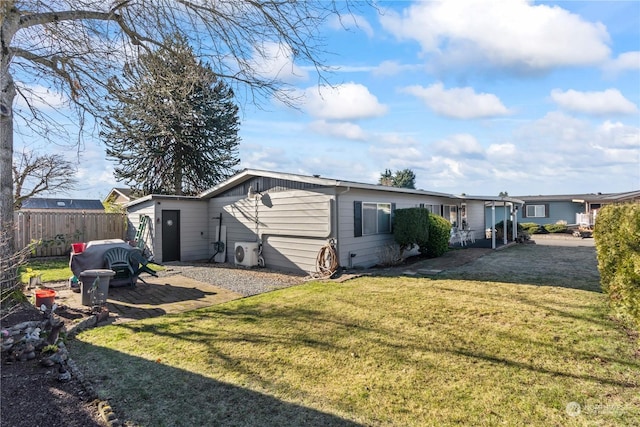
(173, 128)
(405, 178)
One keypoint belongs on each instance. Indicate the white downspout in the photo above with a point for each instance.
(337, 224)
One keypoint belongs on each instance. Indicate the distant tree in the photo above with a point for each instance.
(503, 194)
(386, 178)
(35, 174)
(403, 179)
(174, 126)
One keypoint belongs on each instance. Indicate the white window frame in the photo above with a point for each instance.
(382, 212)
(538, 211)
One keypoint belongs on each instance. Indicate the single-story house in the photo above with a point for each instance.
(289, 218)
(61, 204)
(573, 209)
(118, 196)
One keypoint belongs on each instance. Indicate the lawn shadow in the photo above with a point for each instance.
(146, 392)
(156, 294)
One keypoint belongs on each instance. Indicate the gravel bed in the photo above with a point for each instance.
(244, 281)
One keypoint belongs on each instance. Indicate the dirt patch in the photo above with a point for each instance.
(33, 395)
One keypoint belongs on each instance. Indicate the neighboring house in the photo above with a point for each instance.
(293, 217)
(50, 204)
(573, 209)
(118, 196)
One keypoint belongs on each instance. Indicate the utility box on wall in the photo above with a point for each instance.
(246, 254)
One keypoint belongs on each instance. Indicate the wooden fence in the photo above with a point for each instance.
(55, 231)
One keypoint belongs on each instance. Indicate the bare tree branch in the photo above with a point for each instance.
(37, 174)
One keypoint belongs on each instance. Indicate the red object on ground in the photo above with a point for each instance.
(45, 296)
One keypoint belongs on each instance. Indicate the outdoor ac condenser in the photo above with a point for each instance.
(246, 254)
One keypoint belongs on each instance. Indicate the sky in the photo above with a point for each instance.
(474, 96)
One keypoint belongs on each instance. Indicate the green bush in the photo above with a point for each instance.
(556, 228)
(499, 227)
(411, 227)
(617, 238)
(439, 234)
(530, 227)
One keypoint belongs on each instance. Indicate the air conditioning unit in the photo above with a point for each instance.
(246, 254)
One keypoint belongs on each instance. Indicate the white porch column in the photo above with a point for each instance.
(514, 209)
(504, 225)
(493, 223)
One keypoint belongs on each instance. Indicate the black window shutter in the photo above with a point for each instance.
(393, 209)
(546, 210)
(524, 211)
(357, 219)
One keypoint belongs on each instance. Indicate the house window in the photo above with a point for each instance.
(450, 213)
(372, 218)
(536, 211)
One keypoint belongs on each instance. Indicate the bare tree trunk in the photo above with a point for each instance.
(7, 95)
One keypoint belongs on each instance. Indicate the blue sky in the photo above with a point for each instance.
(475, 96)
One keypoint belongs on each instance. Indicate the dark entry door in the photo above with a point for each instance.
(170, 236)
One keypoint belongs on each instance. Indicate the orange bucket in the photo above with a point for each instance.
(45, 296)
(78, 247)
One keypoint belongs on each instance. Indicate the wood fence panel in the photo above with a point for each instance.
(57, 230)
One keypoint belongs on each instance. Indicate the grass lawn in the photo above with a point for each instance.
(55, 269)
(374, 351)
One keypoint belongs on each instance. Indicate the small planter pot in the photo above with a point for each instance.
(35, 281)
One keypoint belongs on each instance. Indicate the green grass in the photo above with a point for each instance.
(51, 269)
(373, 351)
(54, 269)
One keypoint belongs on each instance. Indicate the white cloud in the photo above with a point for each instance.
(351, 21)
(459, 145)
(459, 103)
(609, 101)
(501, 150)
(338, 130)
(40, 98)
(392, 68)
(627, 61)
(275, 61)
(348, 101)
(514, 34)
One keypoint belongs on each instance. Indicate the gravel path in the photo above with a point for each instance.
(241, 280)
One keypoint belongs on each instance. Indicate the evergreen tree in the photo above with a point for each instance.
(403, 179)
(386, 178)
(173, 126)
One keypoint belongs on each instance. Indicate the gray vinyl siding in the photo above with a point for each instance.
(557, 211)
(363, 251)
(292, 225)
(193, 226)
(500, 215)
(297, 254)
(475, 217)
(134, 213)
